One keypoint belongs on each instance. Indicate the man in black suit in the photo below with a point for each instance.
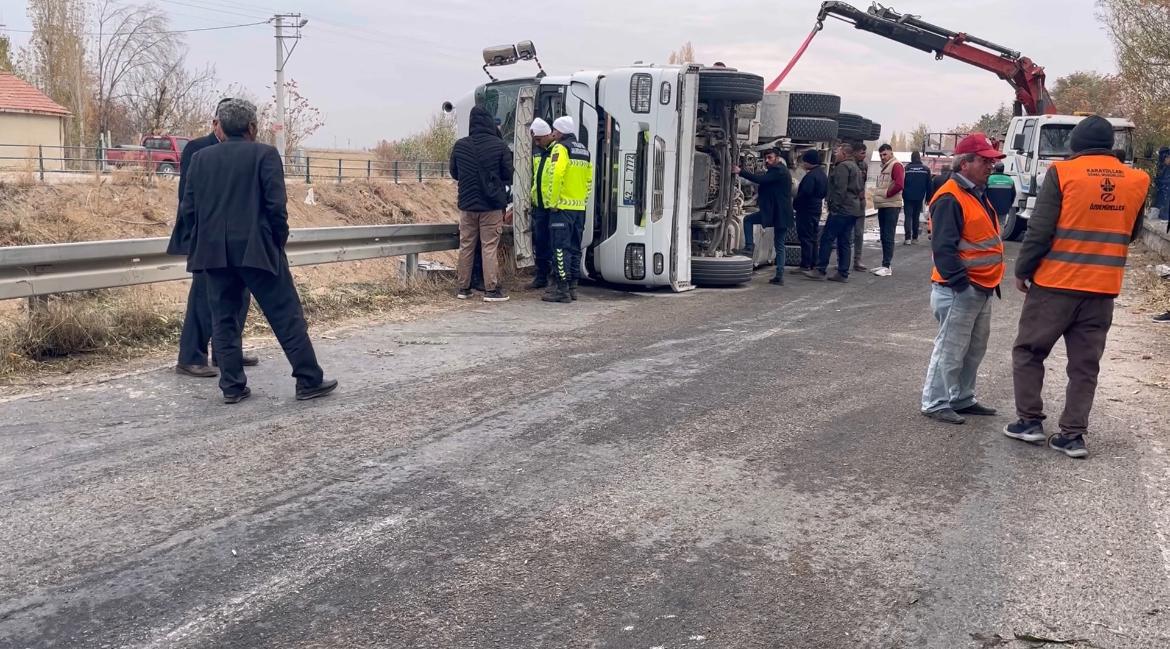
(197, 322)
(775, 206)
(235, 200)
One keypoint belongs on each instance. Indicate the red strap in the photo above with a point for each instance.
(800, 52)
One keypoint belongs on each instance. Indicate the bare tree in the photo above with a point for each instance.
(1141, 37)
(1090, 92)
(131, 44)
(685, 54)
(171, 98)
(6, 64)
(54, 59)
(302, 118)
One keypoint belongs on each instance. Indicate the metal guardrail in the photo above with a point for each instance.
(31, 271)
(39, 160)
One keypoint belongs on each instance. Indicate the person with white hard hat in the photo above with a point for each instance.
(566, 181)
(542, 135)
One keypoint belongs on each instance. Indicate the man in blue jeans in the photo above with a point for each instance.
(846, 190)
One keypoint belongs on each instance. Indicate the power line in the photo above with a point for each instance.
(169, 31)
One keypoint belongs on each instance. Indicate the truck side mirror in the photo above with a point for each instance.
(1018, 143)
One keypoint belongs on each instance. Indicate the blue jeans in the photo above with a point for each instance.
(1162, 198)
(964, 326)
(749, 223)
(838, 229)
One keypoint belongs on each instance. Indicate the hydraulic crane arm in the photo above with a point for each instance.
(1025, 77)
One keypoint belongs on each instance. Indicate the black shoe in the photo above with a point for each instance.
(1026, 431)
(777, 280)
(860, 267)
(838, 277)
(497, 295)
(573, 290)
(559, 293)
(979, 410)
(947, 416)
(197, 371)
(463, 293)
(250, 360)
(1163, 319)
(327, 386)
(1073, 447)
(238, 397)
(538, 282)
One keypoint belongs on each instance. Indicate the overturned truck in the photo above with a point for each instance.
(665, 209)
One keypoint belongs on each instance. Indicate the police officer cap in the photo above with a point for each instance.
(540, 128)
(564, 125)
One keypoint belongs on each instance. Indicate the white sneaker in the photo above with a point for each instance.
(883, 272)
(905, 242)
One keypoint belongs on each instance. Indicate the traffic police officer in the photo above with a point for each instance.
(566, 180)
(1071, 267)
(541, 245)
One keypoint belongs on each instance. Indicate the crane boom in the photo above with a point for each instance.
(1025, 77)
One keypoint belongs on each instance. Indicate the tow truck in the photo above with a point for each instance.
(1036, 136)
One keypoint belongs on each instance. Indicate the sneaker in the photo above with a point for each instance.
(463, 293)
(884, 271)
(906, 242)
(839, 278)
(1164, 318)
(860, 267)
(777, 280)
(495, 295)
(237, 397)
(1026, 431)
(946, 416)
(326, 386)
(979, 410)
(914, 242)
(1071, 446)
(815, 274)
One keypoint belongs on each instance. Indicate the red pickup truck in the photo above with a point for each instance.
(158, 153)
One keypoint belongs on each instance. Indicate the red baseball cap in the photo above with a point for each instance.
(979, 144)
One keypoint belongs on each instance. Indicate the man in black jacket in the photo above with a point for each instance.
(775, 206)
(196, 333)
(808, 204)
(917, 185)
(482, 164)
(846, 200)
(235, 200)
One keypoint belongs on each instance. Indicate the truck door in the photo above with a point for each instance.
(687, 97)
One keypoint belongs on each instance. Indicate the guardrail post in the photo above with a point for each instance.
(420, 171)
(37, 304)
(369, 168)
(395, 172)
(41, 160)
(308, 173)
(411, 265)
(339, 171)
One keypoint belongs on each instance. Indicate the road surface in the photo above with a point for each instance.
(726, 469)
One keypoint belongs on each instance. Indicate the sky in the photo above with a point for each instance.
(379, 70)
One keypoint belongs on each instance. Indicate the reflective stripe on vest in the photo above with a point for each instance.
(1101, 202)
(569, 175)
(980, 246)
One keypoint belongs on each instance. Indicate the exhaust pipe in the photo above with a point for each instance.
(448, 107)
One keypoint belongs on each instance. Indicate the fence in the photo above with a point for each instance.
(33, 271)
(40, 161)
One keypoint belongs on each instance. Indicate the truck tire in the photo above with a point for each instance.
(721, 271)
(812, 129)
(813, 104)
(165, 169)
(851, 126)
(792, 255)
(875, 132)
(1012, 226)
(730, 85)
(850, 121)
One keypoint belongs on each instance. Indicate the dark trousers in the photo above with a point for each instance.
(838, 230)
(541, 242)
(913, 221)
(858, 239)
(749, 225)
(576, 243)
(888, 225)
(779, 239)
(566, 230)
(197, 326)
(278, 300)
(1162, 198)
(1084, 324)
(806, 231)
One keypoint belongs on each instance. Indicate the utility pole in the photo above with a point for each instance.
(282, 55)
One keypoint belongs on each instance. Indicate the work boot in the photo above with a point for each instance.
(539, 281)
(573, 290)
(559, 293)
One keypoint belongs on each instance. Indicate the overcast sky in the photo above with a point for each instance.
(379, 69)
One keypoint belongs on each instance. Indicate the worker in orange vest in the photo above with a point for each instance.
(968, 267)
(1071, 266)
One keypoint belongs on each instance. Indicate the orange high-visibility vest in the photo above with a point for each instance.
(981, 248)
(1102, 200)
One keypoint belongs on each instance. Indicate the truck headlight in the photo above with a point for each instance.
(635, 261)
(641, 87)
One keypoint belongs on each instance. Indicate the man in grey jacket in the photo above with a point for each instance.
(845, 206)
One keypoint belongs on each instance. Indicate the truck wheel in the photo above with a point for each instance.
(721, 271)
(875, 132)
(166, 169)
(1012, 226)
(730, 85)
(791, 255)
(813, 104)
(812, 129)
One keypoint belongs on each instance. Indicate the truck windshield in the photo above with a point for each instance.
(1054, 141)
(499, 98)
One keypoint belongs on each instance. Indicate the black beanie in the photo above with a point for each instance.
(811, 157)
(1093, 132)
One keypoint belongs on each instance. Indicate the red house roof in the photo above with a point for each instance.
(16, 96)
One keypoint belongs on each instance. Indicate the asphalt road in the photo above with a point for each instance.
(739, 468)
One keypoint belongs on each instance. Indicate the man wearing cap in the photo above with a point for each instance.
(775, 205)
(1071, 267)
(541, 245)
(968, 268)
(808, 204)
(569, 174)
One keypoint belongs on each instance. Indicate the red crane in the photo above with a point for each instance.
(1025, 77)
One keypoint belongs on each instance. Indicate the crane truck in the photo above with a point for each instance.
(1036, 135)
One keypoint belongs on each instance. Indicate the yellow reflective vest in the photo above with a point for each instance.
(564, 179)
